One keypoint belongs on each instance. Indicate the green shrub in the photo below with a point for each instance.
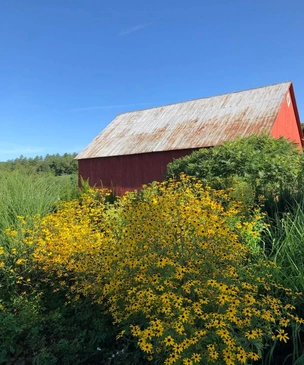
(268, 168)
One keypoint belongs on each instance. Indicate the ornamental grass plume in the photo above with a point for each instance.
(172, 265)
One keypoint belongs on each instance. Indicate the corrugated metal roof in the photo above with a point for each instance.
(191, 124)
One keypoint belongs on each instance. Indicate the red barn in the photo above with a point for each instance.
(137, 146)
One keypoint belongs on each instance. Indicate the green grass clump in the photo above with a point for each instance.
(28, 195)
(285, 243)
(286, 236)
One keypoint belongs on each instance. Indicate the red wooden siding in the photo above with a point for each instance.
(128, 172)
(287, 123)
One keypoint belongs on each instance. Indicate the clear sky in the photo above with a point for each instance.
(68, 67)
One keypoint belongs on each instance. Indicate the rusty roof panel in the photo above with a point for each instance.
(191, 124)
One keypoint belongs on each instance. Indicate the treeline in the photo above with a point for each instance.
(56, 165)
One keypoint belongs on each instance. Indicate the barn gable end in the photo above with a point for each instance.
(287, 123)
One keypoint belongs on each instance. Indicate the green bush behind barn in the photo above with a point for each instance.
(268, 169)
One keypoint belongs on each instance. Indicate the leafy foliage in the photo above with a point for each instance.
(266, 166)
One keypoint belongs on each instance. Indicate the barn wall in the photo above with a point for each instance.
(287, 123)
(129, 172)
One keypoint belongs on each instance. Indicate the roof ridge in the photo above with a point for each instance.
(205, 97)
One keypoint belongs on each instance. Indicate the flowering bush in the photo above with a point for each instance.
(42, 320)
(172, 266)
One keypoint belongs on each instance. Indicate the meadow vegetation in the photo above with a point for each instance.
(203, 268)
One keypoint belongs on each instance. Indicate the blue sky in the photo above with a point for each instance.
(68, 67)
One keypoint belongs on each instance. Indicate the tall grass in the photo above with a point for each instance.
(286, 238)
(27, 195)
(287, 247)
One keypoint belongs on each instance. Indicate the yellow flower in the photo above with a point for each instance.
(222, 299)
(247, 312)
(284, 322)
(213, 354)
(282, 336)
(200, 333)
(135, 330)
(196, 357)
(252, 334)
(173, 358)
(146, 347)
(120, 334)
(178, 348)
(253, 356)
(20, 261)
(241, 355)
(169, 341)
